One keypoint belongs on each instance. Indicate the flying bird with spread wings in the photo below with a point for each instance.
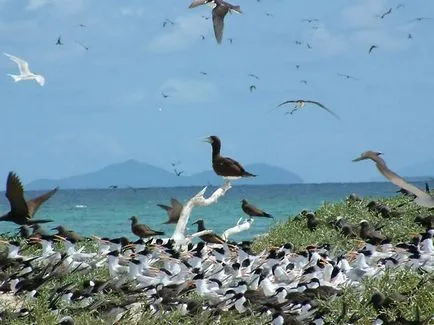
(25, 73)
(346, 76)
(388, 12)
(299, 104)
(423, 198)
(219, 11)
(372, 47)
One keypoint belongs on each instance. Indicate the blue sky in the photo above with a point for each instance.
(104, 105)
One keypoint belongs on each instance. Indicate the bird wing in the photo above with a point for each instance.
(197, 3)
(252, 210)
(287, 102)
(165, 207)
(322, 106)
(231, 163)
(371, 48)
(176, 205)
(218, 15)
(15, 195)
(423, 198)
(34, 204)
(23, 66)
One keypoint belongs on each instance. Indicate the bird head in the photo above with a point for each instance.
(211, 139)
(133, 219)
(368, 155)
(58, 228)
(244, 201)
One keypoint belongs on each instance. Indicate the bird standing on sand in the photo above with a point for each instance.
(422, 198)
(299, 103)
(225, 166)
(220, 9)
(25, 73)
(22, 211)
(211, 238)
(173, 211)
(142, 230)
(253, 211)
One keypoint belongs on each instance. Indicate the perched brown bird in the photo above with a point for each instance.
(353, 197)
(367, 233)
(427, 222)
(311, 222)
(173, 211)
(253, 211)
(208, 238)
(142, 230)
(422, 198)
(225, 166)
(21, 211)
(67, 234)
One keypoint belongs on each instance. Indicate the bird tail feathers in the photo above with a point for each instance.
(15, 77)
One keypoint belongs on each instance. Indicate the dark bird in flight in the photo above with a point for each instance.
(164, 95)
(59, 41)
(299, 103)
(420, 19)
(298, 42)
(202, 37)
(347, 76)
(253, 76)
(388, 12)
(178, 172)
(205, 17)
(252, 87)
(268, 14)
(174, 163)
(203, 73)
(372, 47)
(310, 20)
(220, 9)
(308, 46)
(303, 82)
(168, 21)
(211, 238)
(82, 45)
(230, 40)
(173, 211)
(142, 230)
(297, 66)
(422, 198)
(253, 211)
(82, 25)
(22, 211)
(225, 166)
(409, 36)
(113, 186)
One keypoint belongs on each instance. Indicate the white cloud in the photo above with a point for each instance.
(182, 91)
(65, 6)
(186, 31)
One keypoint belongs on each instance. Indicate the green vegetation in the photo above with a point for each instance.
(417, 286)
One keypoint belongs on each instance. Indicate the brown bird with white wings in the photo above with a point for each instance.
(299, 104)
(22, 211)
(422, 198)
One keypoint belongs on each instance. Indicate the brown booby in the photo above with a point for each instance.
(142, 230)
(220, 9)
(253, 211)
(208, 238)
(22, 211)
(67, 234)
(225, 166)
(173, 211)
(422, 198)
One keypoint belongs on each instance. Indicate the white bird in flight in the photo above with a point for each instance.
(25, 73)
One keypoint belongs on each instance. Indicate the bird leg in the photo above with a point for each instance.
(198, 200)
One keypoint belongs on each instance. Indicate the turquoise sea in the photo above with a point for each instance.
(105, 212)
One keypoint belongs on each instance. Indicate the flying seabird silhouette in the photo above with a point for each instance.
(178, 172)
(252, 87)
(59, 41)
(224, 166)
(142, 230)
(253, 211)
(303, 82)
(173, 211)
(310, 20)
(388, 12)
(82, 45)
(372, 47)
(168, 21)
(25, 73)
(346, 76)
(220, 9)
(22, 211)
(422, 198)
(299, 103)
(253, 76)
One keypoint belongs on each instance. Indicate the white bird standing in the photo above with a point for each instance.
(25, 73)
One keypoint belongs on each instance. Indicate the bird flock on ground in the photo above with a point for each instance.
(157, 274)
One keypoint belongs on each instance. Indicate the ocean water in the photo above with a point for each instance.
(106, 212)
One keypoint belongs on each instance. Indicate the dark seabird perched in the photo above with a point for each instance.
(225, 166)
(299, 103)
(208, 238)
(220, 9)
(22, 211)
(422, 198)
(367, 233)
(67, 234)
(142, 230)
(173, 211)
(311, 222)
(253, 211)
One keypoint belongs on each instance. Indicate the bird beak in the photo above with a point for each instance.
(194, 223)
(55, 228)
(208, 139)
(358, 159)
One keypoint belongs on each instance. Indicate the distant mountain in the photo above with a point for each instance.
(137, 174)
